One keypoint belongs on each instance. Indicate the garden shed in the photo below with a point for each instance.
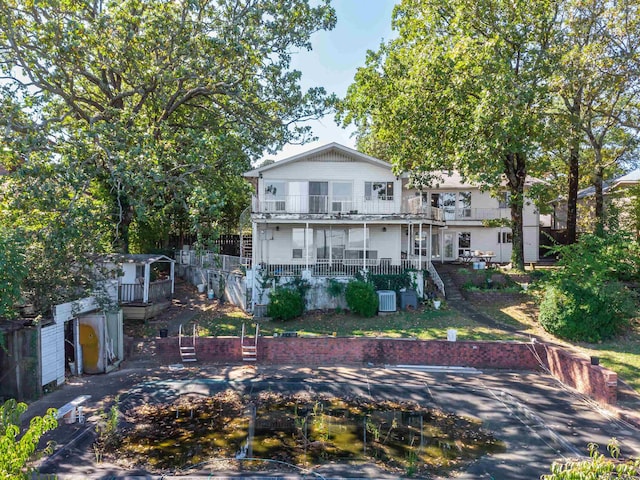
(81, 338)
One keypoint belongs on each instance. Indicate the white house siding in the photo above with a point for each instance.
(298, 174)
(52, 353)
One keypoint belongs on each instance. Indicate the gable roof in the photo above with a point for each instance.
(319, 151)
(630, 178)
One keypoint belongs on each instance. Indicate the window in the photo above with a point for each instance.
(464, 243)
(464, 204)
(298, 243)
(504, 200)
(330, 243)
(378, 190)
(342, 196)
(505, 237)
(274, 195)
(357, 238)
(449, 205)
(420, 244)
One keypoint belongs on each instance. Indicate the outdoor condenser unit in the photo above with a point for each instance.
(386, 301)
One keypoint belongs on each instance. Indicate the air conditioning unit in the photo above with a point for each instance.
(386, 300)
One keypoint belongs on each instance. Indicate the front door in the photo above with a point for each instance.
(449, 246)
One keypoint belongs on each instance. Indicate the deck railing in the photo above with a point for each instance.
(134, 292)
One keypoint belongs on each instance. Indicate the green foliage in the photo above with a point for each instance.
(335, 288)
(285, 303)
(107, 429)
(391, 282)
(146, 145)
(585, 299)
(12, 272)
(16, 447)
(590, 313)
(362, 298)
(598, 467)
(463, 86)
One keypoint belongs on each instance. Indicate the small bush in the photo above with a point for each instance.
(586, 313)
(362, 298)
(285, 304)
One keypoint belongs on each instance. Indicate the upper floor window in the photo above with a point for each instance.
(274, 195)
(464, 204)
(378, 190)
(504, 200)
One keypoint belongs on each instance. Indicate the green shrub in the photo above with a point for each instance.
(586, 312)
(285, 304)
(362, 298)
(391, 281)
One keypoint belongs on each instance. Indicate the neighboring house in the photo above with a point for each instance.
(334, 211)
(617, 191)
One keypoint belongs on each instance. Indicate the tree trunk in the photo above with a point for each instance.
(599, 198)
(574, 169)
(516, 176)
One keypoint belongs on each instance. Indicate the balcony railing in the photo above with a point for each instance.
(340, 205)
(475, 214)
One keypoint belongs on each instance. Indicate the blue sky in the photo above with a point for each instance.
(336, 55)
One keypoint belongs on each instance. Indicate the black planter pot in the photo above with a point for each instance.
(595, 360)
(164, 333)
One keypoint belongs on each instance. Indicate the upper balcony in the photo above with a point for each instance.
(410, 207)
(326, 206)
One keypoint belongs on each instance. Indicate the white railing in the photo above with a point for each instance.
(341, 205)
(475, 214)
(416, 206)
(208, 259)
(435, 278)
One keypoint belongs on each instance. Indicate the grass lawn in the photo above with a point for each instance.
(622, 355)
(424, 325)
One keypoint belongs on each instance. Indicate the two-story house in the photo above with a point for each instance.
(333, 208)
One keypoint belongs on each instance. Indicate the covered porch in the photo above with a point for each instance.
(146, 283)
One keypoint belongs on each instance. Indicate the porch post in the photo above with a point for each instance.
(430, 253)
(408, 241)
(173, 278)
(306, 245)
(147, 277)
(364, 243)
(420, 252)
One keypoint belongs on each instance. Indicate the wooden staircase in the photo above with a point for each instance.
(249, 351)
(187, 346)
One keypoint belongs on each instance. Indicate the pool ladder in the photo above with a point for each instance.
(249, 352)
(187, 348)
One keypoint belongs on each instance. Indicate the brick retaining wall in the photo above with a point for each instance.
(577, 372)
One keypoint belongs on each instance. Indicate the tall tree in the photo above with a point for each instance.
(463, 86)
(597, 82)
(151, 99)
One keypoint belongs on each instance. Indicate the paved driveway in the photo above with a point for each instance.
(539, 420)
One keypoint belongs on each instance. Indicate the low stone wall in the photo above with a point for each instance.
(594, 381)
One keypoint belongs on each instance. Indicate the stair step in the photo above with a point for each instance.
(187, 349)
(249, 347)
(189, 359)
(249, 359)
